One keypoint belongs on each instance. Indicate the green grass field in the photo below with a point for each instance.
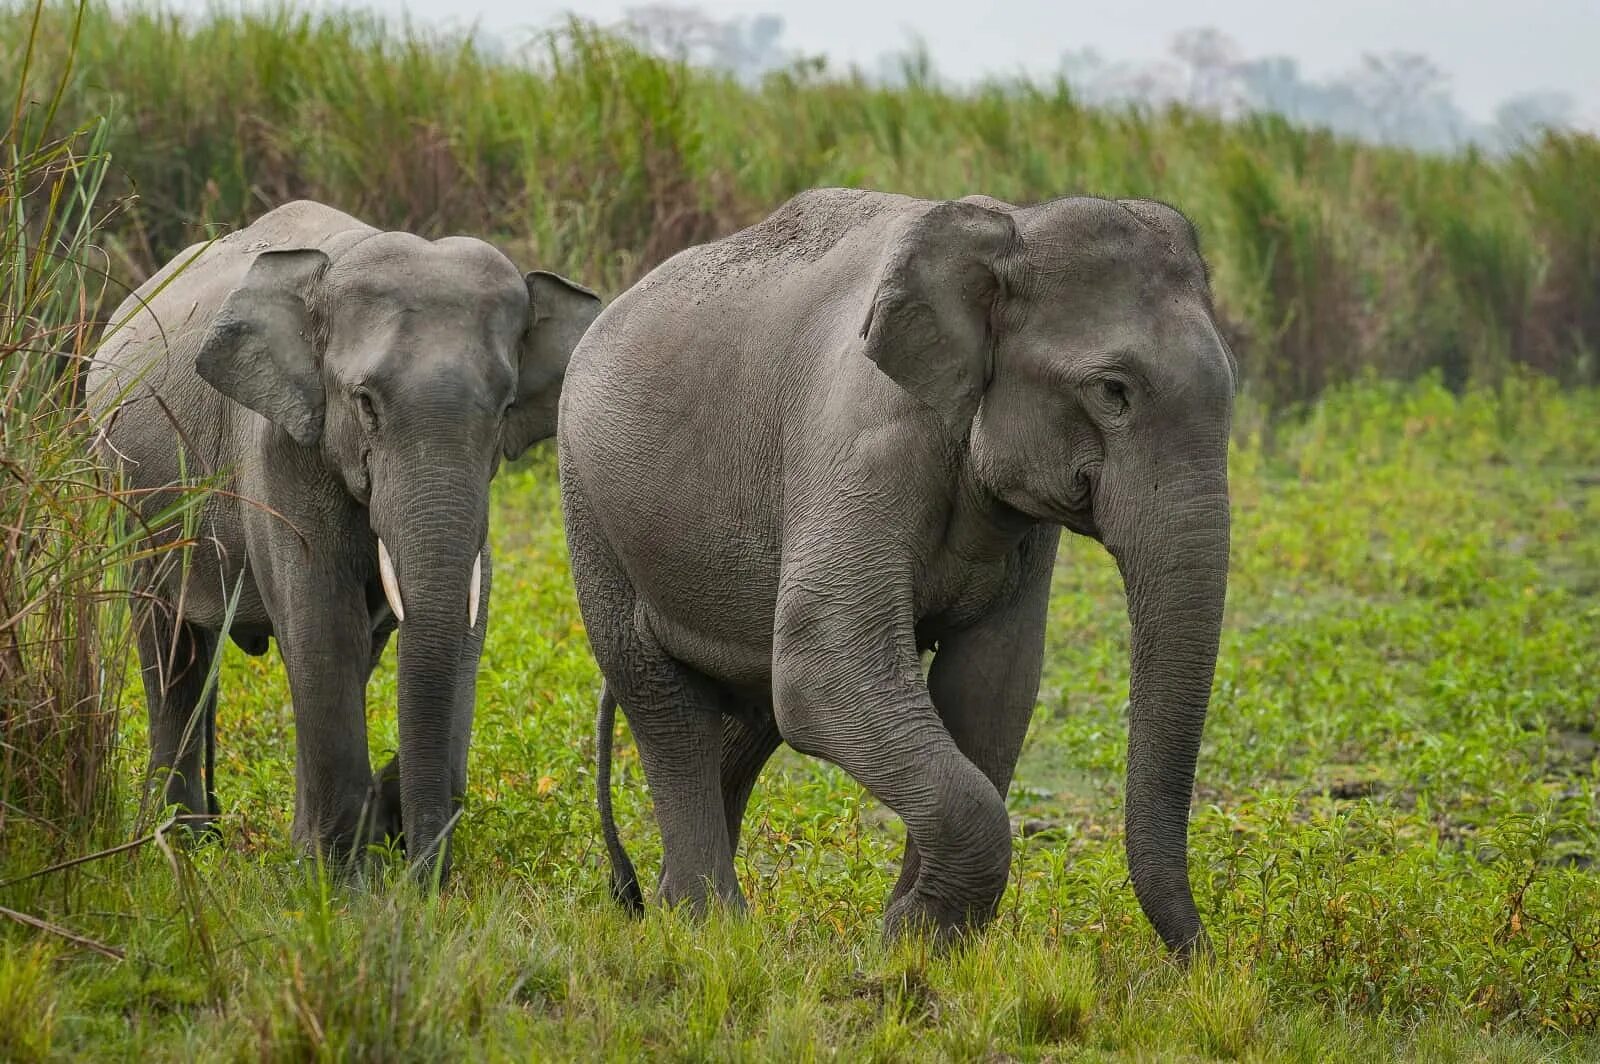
(1394, 836)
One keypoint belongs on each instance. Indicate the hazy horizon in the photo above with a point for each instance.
(1489, 51)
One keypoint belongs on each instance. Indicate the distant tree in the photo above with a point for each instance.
(1209, 62)
(670, 29)
(908, 67)
(1273, 83)
(1524, 116)
(1394, 97)
(746, 47)
(1085, 70)
(1408, 99)
(1153, 83)
(755, 48)
(1101, 82)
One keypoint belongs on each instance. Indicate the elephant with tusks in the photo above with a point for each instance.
(351, 392)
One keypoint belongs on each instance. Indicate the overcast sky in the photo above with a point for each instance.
(1490, 49)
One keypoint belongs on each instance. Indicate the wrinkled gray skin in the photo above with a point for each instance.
(347, 385)
(795, 459)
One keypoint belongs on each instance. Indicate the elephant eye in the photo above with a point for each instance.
(1114, 394)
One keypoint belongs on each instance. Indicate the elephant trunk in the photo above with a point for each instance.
(433, 539)
(1175, 568)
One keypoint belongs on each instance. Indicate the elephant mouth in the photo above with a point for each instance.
(1076, 512)
(1081, 523)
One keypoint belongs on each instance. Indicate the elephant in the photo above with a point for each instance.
(347, 394)
(796, 460)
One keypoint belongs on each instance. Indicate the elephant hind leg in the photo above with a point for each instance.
(675, 715)
(748, 742)
(175, 660)
(674, 712)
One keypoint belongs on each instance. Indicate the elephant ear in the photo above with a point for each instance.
(260, 350)
(559, 313)
(929, 324)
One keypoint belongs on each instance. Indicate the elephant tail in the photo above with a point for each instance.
(624, 880)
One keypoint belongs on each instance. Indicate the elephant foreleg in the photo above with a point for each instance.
(985, 680)
(852, 693)
(384, 800)
(327, 654)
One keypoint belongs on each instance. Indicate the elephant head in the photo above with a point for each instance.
(1071, 350)
(405, 370)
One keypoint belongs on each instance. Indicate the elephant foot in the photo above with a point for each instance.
(699, 896)
(198, 829)
(698, 893)
(363, 826)
(946, 924)
(383, 807)
(196, 813)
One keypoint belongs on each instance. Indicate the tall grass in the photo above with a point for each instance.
(579, 153)
(1562, 179)
(1395, 837)
(63, 518)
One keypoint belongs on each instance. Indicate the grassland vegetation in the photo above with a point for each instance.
(1397, 822)
(1394, 836)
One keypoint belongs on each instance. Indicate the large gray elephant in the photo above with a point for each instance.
(351, 392)
(794, 460)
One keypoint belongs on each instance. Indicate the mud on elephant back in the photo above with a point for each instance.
(351, 393)
(796, 459)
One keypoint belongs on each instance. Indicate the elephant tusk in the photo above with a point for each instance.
(391, 586)
(474, 591)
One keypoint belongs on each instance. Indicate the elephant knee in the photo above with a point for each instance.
(801, 704)
(792, 713)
